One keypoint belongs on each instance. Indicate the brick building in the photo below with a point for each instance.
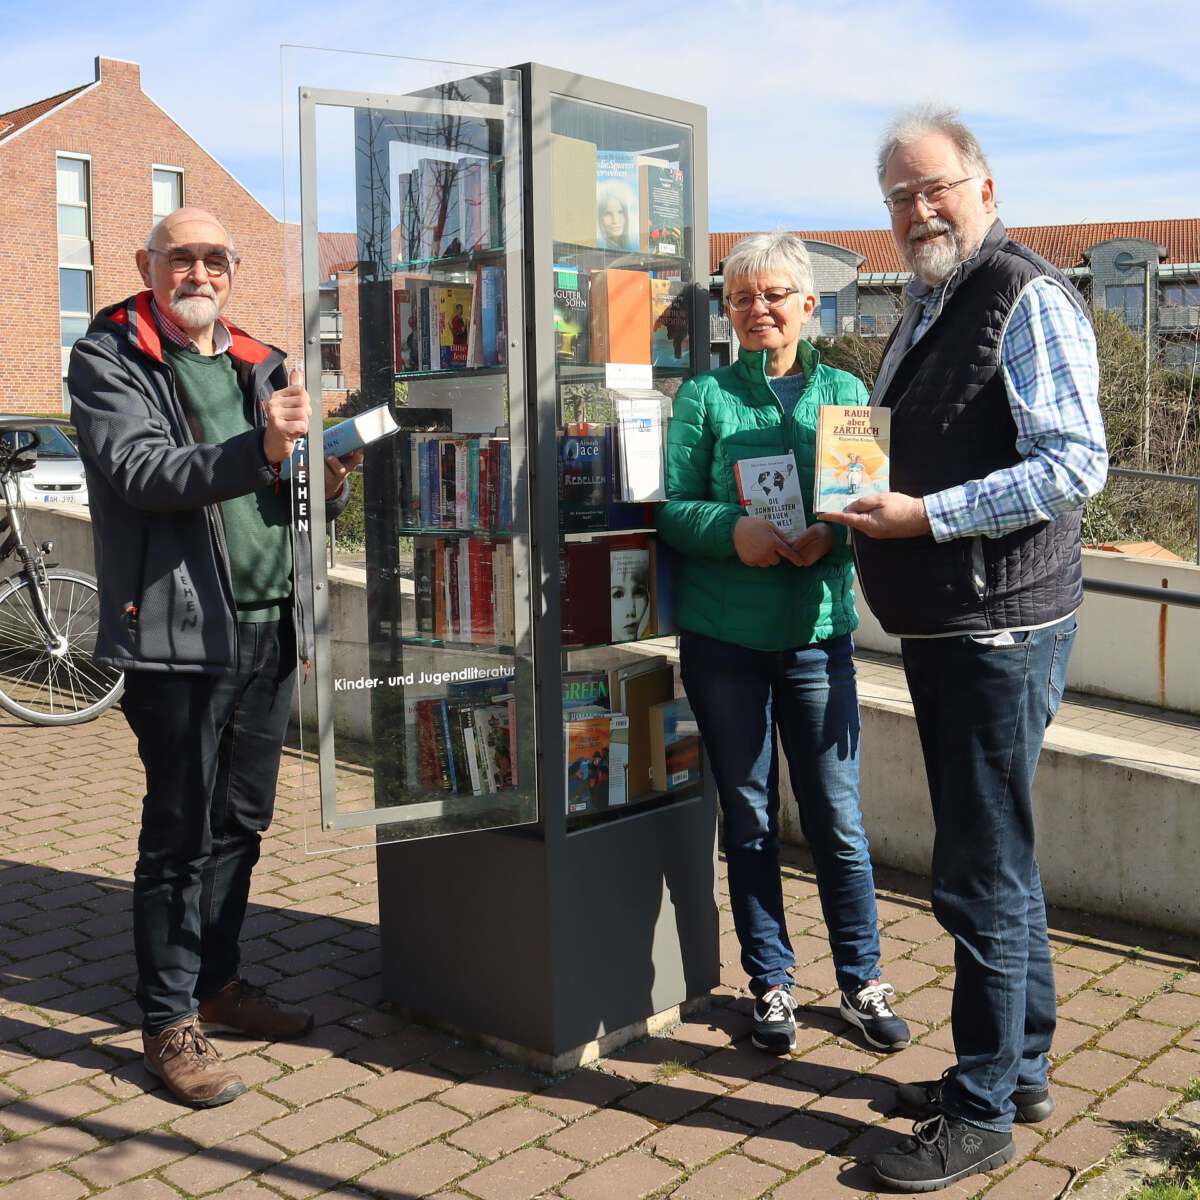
(83, 176)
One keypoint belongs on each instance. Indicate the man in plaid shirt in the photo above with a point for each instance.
(974, 561)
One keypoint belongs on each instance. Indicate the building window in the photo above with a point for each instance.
(75, 291)
(1129, 300)
(166, 189)
(1181, 293)
(829, 314)
(867, 324)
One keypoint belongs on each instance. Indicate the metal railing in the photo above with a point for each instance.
(333, 381)
(719, 329)
(1179, 316)
(331, 326)
(1192, 481)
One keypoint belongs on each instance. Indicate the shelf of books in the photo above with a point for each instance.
(622, 237)
(426, 663)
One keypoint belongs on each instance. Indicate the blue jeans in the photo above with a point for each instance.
(210, 745)
(982, 712)
(740, 697)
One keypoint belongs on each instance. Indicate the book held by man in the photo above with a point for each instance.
(769, 487)
(853, 444)
(351, 434)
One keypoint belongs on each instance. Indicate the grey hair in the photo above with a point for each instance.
(912, 124)
(766, 254)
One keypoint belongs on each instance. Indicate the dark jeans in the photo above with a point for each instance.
(210, 745)
(982, 712)
(739, 698)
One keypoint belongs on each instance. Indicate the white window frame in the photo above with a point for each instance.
(154, 216)
(89, 267)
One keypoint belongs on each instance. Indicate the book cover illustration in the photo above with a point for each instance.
(454, 318)
(669, 323)
(584, 689)
(617, 205)
(662, 206)
(587, 757)
(629, 594)
(582, 479)
(769, 487)
(674, 745)
(570, 315)
(853, 443)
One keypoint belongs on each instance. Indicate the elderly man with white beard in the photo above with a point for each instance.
(183, 421)
(973, 561)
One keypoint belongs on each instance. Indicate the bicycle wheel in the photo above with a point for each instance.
(53, 680)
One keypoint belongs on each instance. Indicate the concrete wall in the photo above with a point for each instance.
(1128, 649)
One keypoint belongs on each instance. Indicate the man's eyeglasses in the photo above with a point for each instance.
(216, 262)
(933, 195)
(772, 298)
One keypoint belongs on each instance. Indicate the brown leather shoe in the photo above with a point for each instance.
(240, 1007)
(188, 1063)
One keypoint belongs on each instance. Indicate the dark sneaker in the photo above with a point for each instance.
(240, 1007)
(940, 1151)
(924, 1100)
(870, 1011)
(775, 1022)
(188, 1063)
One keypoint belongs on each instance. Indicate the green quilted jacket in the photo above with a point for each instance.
(719, 419)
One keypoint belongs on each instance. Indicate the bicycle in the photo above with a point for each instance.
(49, 615)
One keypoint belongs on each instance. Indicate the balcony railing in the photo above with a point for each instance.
(1179, 316)
(331, 327)
(719, 329)
(333, 381)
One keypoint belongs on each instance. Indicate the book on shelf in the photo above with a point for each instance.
(456, 481)
(351, 434)
(406, 328)
(769, 487)
(492, 349)
(640, 474)
(629, 591)
(585, 689)
(453, 325)
(596, 752)
(661, 208)
(663, 565)
(616, 200)
(462, 590)
(463, 743)
(669, 323)
(573, 189)
(635, 688)
(583, 593)
(853, 445)
(675, 751)
(619, 316)
(583, 487)
(570, 314)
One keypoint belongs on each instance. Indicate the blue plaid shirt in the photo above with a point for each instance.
(1048, 357)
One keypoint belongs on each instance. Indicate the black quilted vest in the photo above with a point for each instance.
(951, 423)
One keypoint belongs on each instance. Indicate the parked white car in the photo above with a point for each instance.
(57, 477)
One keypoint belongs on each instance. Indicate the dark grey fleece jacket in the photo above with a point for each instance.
(166, 600)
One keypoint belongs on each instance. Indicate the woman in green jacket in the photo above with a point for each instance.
(766, 620)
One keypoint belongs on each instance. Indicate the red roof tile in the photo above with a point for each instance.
(337, 251)
(10, 122)
(1063, 245)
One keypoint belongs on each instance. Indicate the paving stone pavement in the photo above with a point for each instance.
(368, 1106)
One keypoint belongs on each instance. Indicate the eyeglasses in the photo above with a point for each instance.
(772, 298)
(182, 261)
(933, 195)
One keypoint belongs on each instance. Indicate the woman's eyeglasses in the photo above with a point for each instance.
(772, 298)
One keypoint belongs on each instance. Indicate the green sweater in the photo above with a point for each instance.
(257, 529)
(720, 419)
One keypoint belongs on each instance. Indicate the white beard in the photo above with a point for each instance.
(195, 311)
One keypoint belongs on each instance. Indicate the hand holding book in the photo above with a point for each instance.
(889, 515)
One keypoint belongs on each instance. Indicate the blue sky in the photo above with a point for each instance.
(1089, 110)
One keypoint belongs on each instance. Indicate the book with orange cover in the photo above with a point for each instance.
(620, 316)
(853, 444)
